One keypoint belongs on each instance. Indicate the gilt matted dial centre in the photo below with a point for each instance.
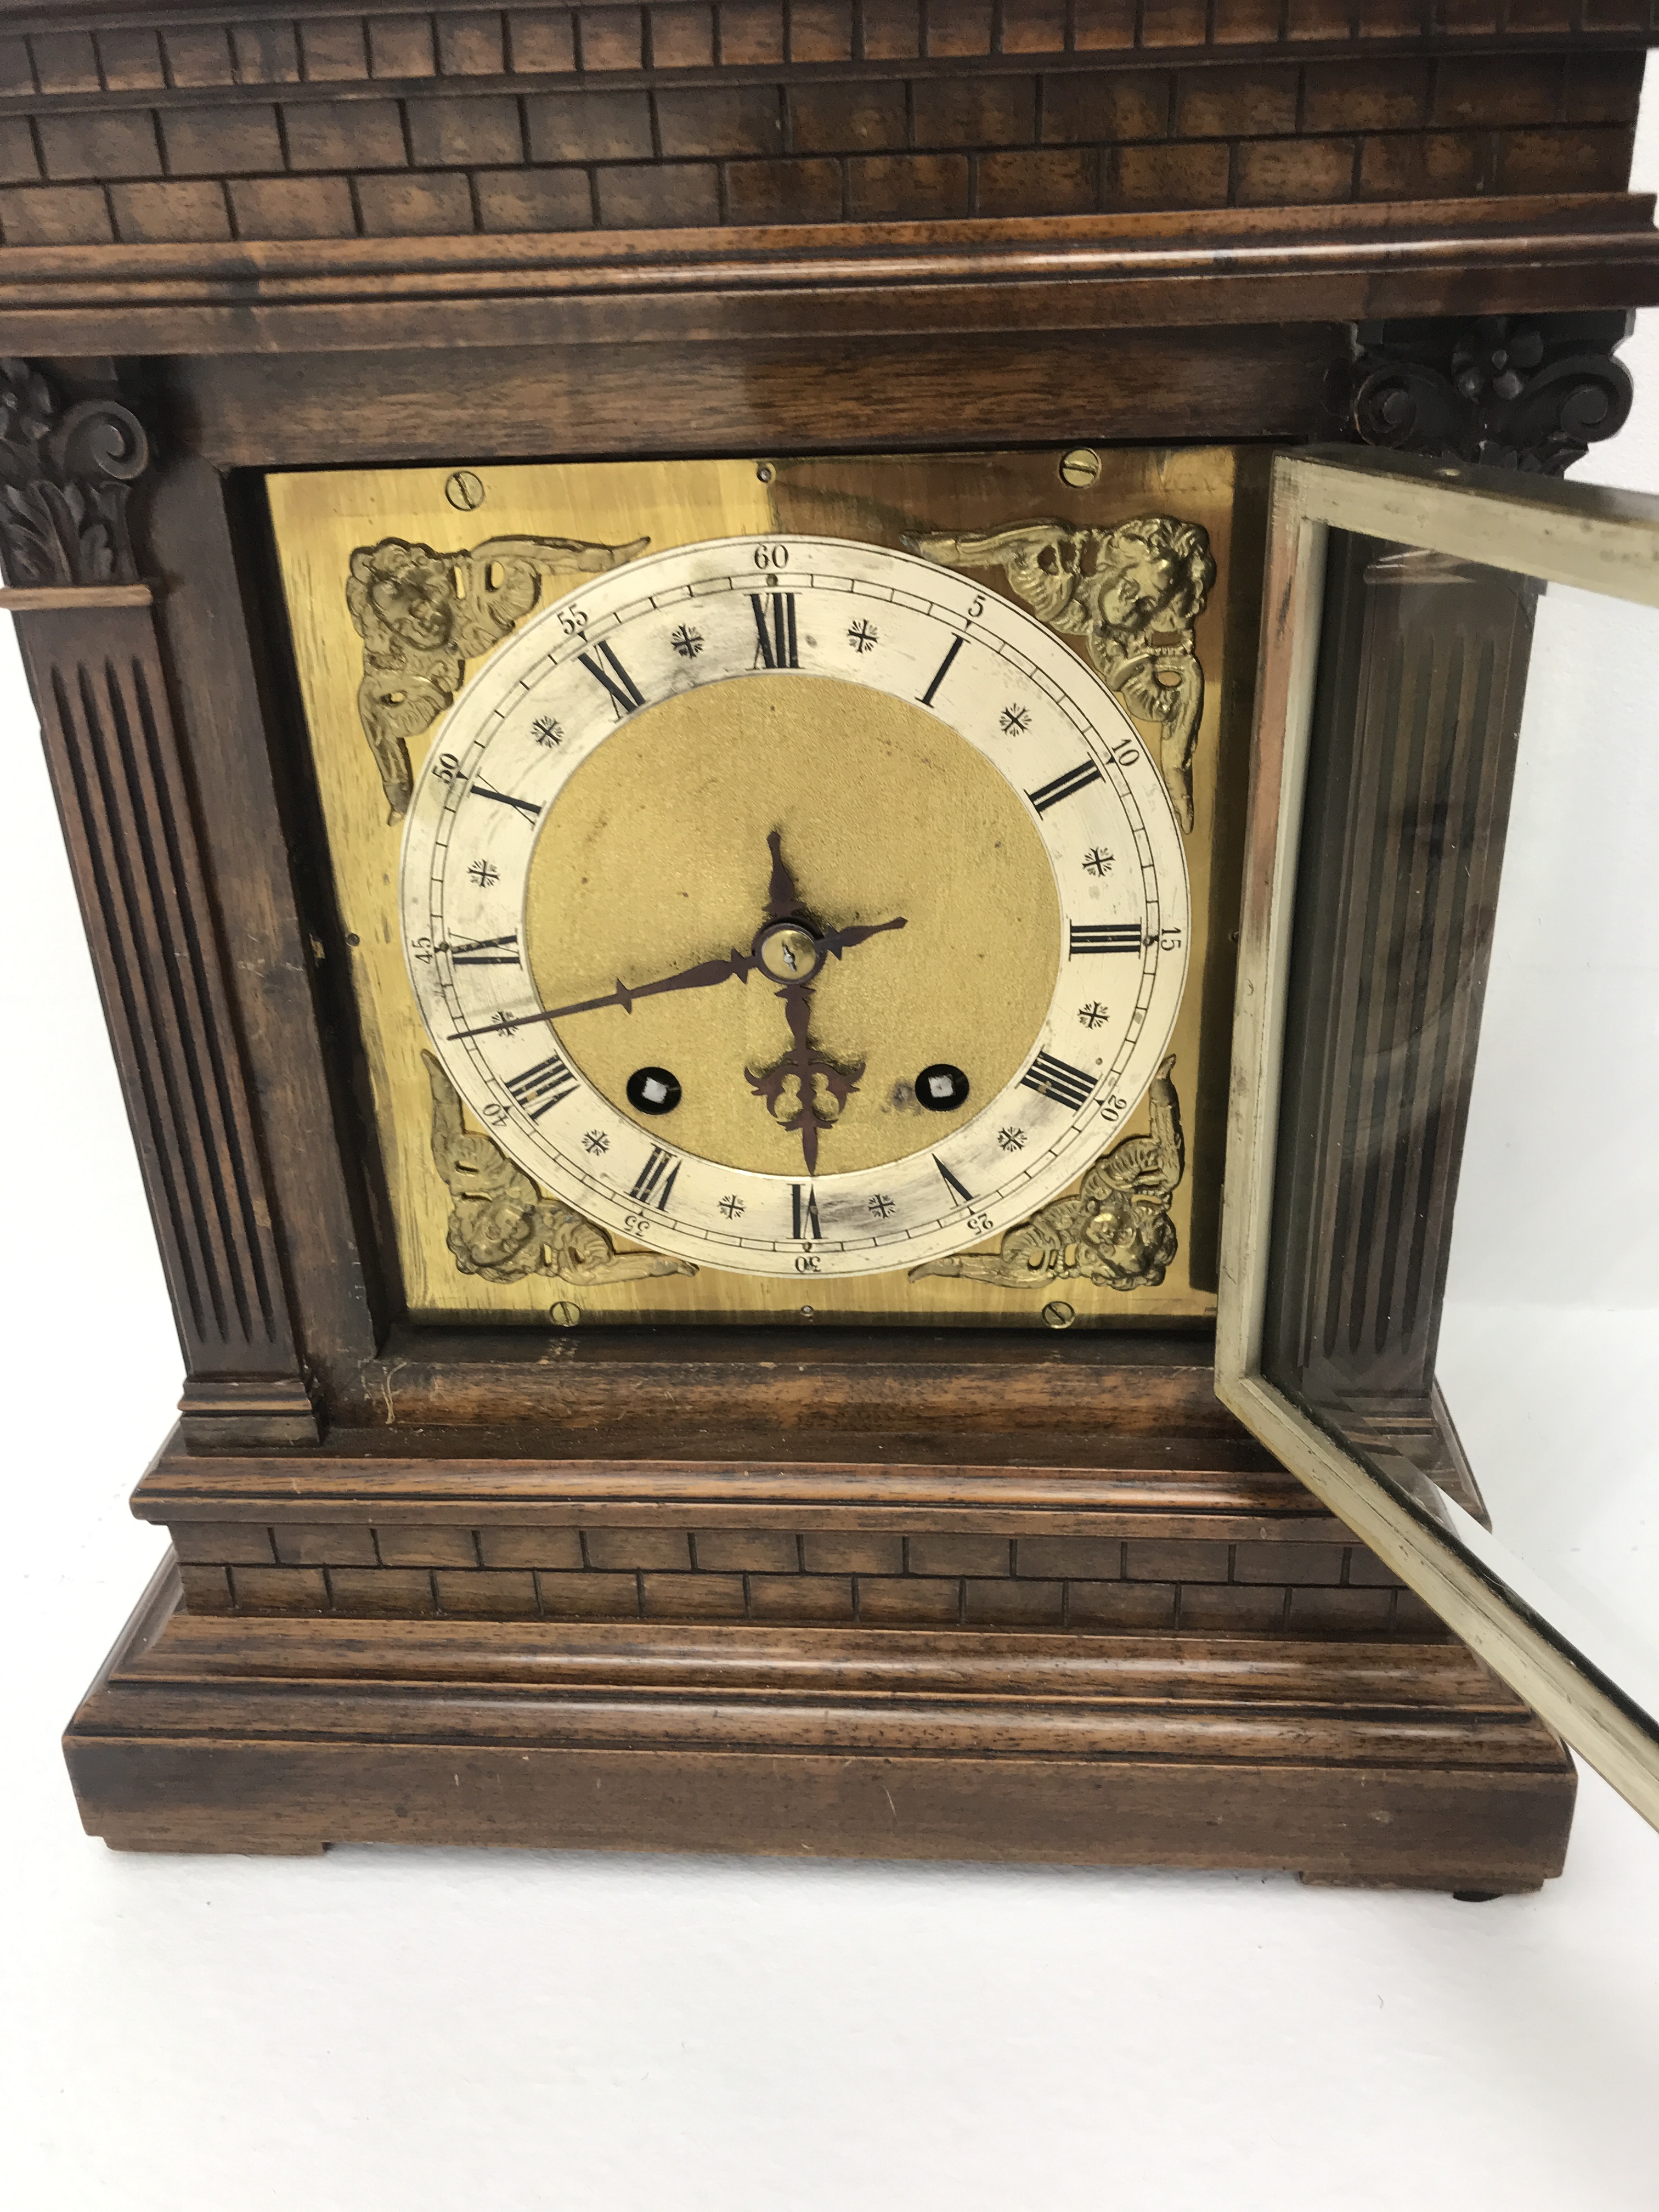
(791, 906)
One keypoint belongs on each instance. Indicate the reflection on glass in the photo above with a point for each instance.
(1549, 1339)
(1470, 1057)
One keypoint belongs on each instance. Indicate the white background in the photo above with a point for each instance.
(384, 2028)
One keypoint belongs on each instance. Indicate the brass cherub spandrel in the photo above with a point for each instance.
(500, 1227)
(1117, 1231)
(423, 615)
(1132, 593)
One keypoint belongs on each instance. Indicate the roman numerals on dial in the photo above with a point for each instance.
(943, 670)
(654, 1184)
(775, 645)
(606, 669)
(541, 1087)
(582, 723)
(1064, 787)
(527, 807)
(488, 952)
(1106, 937)
(1058, 1080)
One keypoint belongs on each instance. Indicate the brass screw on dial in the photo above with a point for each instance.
(1080, 466)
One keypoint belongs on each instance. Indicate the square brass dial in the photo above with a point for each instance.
(398, 582)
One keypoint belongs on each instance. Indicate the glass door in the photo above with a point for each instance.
(1439, 1295)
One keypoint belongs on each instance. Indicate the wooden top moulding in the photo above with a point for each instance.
(209, 179)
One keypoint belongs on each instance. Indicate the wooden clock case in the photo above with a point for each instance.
(903, 1594)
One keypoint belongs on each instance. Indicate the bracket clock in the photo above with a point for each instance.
(646, 620)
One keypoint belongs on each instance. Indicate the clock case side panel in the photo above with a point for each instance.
(156, 746)
(1416, 724)
(246, 736)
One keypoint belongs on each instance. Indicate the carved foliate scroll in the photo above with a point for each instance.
(1508, 392)
(500, 1227)
(1132, 593)
(423, 615)
(1116, 1231)
(65, 474)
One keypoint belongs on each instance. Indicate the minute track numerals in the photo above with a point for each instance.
(676, 623)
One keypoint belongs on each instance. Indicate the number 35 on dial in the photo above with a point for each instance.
(787, 906)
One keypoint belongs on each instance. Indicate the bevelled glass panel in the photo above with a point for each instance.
(1463, 1287)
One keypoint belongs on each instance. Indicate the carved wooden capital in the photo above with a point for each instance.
(65, 474)
(1512, 391)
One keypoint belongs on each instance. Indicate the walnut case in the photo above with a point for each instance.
(897, 1592)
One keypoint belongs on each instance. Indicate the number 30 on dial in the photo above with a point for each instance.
(789, 905)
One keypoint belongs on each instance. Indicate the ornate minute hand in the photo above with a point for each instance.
(706, 972)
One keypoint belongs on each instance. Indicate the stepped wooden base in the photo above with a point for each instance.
(1353, 1762)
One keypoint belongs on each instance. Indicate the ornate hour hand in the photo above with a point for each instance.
(783, 900)
(805, 1066)
(792, 954)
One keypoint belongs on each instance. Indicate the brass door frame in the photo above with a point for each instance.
(1585, 536)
